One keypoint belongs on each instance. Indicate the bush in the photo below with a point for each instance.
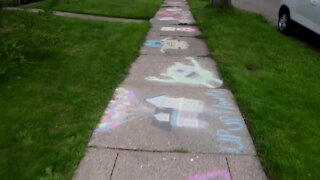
(11, 55)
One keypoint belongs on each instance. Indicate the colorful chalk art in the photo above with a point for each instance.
(188, 74)
(117, 110)
(167, 44)
(178, 112)
(179, 29)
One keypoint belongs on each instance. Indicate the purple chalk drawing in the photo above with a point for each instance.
(213, 175)
(117, 110)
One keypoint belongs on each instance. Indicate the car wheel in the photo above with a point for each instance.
(284, 22)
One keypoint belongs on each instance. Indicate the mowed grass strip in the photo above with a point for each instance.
(50, 106)
(138, 9)
(276, 82)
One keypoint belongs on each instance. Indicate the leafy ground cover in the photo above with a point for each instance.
(276, 82)
(143, 9)
(50, 104)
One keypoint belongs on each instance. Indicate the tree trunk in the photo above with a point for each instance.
(221, 3)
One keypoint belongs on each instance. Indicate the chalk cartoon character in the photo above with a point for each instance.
(167, 43)
(188, 74)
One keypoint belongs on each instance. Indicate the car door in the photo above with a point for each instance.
(315, 15)
(307, 13)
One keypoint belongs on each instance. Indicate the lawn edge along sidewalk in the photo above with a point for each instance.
(172, 118)
(81, 16)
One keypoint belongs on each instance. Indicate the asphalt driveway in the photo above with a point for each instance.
(267, 8)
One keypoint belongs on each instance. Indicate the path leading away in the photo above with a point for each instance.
(171, 118)
(80, 16)
(268, 8)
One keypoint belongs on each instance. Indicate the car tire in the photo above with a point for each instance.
(284, 22)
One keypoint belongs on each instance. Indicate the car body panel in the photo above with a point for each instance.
(305, 12)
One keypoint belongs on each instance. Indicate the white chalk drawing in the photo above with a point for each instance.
(117, 110)
(182, 29)
(173, 9)
(188, 74)
(227, 138)
(167, 44)
(178, 112)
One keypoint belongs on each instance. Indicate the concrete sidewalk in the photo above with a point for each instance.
(267, 8)
(172, 118)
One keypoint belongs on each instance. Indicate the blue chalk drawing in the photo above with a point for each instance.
(226, 137)
(236, 123)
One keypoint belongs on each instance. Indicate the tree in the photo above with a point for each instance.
(221, 3)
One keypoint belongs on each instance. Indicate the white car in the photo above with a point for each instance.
(303, 12)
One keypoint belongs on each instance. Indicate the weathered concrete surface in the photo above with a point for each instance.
(163, 118)
(174, 46)
(268, 8)
(97, 164)
(169, 104)
(173, 15)
(159, 166)
(174, 71)
(174, 30)
(175, 4)
(246, 167)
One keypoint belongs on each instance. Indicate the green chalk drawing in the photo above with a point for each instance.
(188, 74)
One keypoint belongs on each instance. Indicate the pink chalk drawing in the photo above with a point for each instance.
(214, 175)
(182, 29)
(181, 16)
(117, 111)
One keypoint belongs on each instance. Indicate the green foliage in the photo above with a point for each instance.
(47, 114)
(276, 82)
(143, 9)
(11, 55)
(24, 35)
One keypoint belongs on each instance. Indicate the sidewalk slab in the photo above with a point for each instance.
(173, 15)
(246, 167)
(160, 166)
(174, 46)
(174, 30)
(97, 164)
(159, 118)
(174, 71)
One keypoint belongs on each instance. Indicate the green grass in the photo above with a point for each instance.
(143, 9)
(49, 107)
(276, 82)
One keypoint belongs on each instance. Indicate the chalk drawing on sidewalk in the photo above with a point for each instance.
(183, 17)
(213, 175)
(235, 123)
(178, 112)
(167, 44)
(232, 143)
(117, 110)
(173, 9)
(188, 74)
(222, 103)
(225, 109)
(178, 29)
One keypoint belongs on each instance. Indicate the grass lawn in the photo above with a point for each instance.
(50, 105)
(143, 9)
(276, 82)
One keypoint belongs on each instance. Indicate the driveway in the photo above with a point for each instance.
(267, 8)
